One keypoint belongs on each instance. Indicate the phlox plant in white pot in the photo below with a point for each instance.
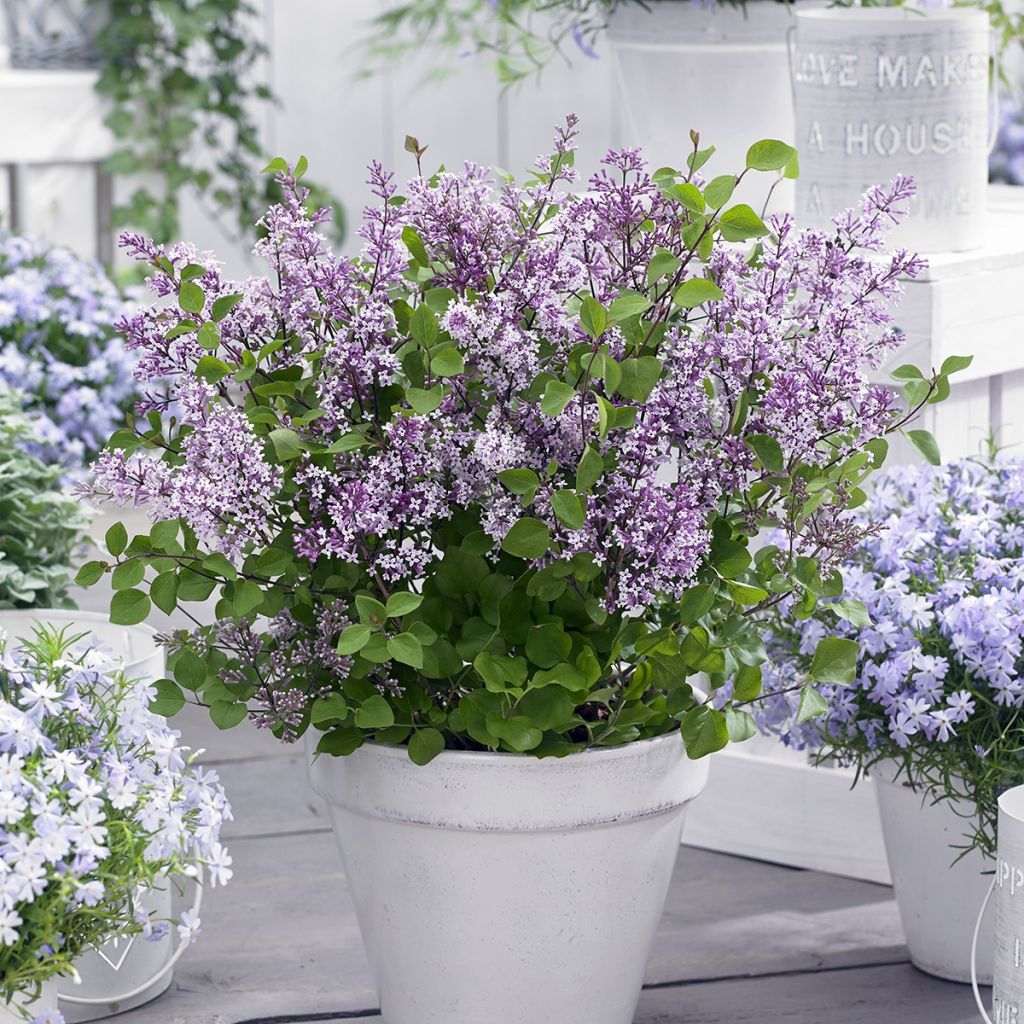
(99, 806)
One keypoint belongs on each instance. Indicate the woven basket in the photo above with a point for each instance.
(52, 34)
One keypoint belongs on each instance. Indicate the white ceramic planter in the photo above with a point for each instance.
(46, 1003)
(938, 900)
(717, 68)
(124, 974)
(506, 889)
(882, 91)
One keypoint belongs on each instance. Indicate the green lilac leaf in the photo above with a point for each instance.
(954, 364)
(116, 539)
(402, 603)
(704, 731)
(169, 699)
(629, 303)
(223, 305)
(129, 607)
(740, 222)
(354, 638)
(89, 574)
(407, 649)
(191, 297)
(374, 713)
(695, 292)
(923, 441)
(226, 715)
(768, 451)
(424, 745)
(719, 190)
(528, 538)
(287, 443)
(769, 155)
(556, 397)
(811, 704)
(594, 317)
(568, 508)
(834, 661)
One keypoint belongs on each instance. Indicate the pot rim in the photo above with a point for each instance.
(904, 15)
(71, 616)
(495, 756)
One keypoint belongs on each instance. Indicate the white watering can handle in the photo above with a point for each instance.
(974, 953)
(149, 982)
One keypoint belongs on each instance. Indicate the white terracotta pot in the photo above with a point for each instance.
(938, 900)
(504, 888)
(882, 91)
(14, 1013)
(717, 68)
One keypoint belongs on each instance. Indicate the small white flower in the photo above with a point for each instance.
(219, 862)
(188, 928)
(12, 807)
(9, 921)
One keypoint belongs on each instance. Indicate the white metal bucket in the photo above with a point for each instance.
(718, 68)
(131, 972)
(882, 91)
(1008, 884)
(504, 888)
(937, 898)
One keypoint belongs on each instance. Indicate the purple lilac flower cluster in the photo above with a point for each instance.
(675, 461)
(575, 408)
(58, 345)
(938, 686)
(98, 803)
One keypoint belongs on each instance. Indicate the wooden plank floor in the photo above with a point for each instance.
(740, 942)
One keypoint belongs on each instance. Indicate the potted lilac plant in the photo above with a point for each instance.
(936, 605)
(476, 506)
(100, 809)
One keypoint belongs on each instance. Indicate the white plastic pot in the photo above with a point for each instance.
(720, 69)
(882, 91)
(14, 1013)
(938, 900)
(126, 973)
(504, 888)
